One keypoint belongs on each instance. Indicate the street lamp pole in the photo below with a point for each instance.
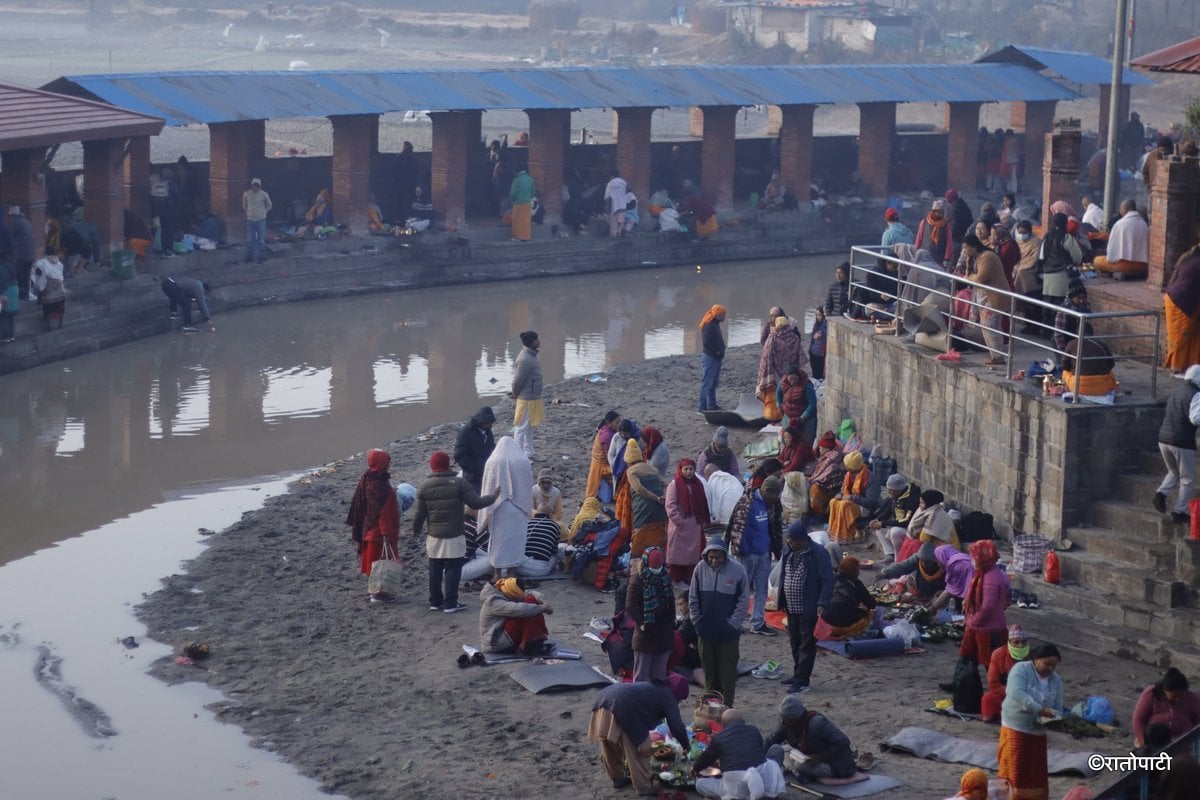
(1111, 173)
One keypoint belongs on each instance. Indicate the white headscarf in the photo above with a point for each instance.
(509, 473)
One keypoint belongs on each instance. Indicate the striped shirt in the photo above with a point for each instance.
(541, 539)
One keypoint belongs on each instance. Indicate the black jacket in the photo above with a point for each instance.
(738, 747)
(1177, 429)
(712, 340)
(474, 445)
(837, 299)
(817, 737)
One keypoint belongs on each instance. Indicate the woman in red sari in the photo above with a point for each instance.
(374, 516)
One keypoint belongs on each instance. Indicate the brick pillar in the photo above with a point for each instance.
(235, 148)
(22, 187)
(718, 155)
(353, 139)
(774, 121)
(876, 127)
(696, 123)
(633, 150)
(1175, 223)
(452, 146)
(1037, 120)
(795, 149)
(962, 123)
(548, 129)
(137, 177)
(1060, 168)
(1122, 112)
(104, 188)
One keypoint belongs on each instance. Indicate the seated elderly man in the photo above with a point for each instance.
(1128, 250)
(826, 749)
(889, 520)
(738, 751)
(513, 620)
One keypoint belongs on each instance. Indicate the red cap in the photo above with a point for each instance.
(439, 461)
(891, 215)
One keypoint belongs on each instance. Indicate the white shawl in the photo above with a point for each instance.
(508, 473)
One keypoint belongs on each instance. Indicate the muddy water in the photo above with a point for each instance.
(111, 463)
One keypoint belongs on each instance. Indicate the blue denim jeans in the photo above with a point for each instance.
(256, 237)
(709, 378)
(758, 570)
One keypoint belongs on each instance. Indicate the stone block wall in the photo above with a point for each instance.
(997, 446)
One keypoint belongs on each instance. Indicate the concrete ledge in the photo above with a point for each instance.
(1036, 464)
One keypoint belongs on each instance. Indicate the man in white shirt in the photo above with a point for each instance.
(257, 204)
(1128, 244)
(1093, 214)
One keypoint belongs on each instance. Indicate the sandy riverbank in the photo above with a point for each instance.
(368, 700)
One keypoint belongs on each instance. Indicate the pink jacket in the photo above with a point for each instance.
(989, 616)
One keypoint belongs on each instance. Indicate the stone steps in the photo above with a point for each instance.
(1088, 635)
(1138, 489)
(1130, 583)
(1123, 548)
(1179, 624)
(1142, 523)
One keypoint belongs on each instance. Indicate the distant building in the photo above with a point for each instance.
(804, 25)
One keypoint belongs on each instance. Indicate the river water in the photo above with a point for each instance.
(112, 463)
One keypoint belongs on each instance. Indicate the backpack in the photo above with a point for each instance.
(619, 643)
(968, 693)
(976, 526)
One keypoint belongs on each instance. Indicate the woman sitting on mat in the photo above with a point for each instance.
(850, 607)
(512, 620)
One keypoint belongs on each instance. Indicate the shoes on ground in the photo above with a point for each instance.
(190, 329)
(1179, 518)
(764, 630)
(1160, 502)
(620, 783)
(381, 598)
(1031, 601)
(1022, 600)
(796, 688)
(454, 609)
(432, 607)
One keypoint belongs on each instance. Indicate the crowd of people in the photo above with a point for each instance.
(697, 549)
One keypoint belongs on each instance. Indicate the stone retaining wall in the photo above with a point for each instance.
(1034, 464)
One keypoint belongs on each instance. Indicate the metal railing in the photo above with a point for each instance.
(1135, 785)
(1085, 328)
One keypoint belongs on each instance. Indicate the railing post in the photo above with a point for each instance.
(1154, 396)
(1012, 323)
(1080, 329)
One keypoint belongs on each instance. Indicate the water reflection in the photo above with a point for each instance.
(280, 388)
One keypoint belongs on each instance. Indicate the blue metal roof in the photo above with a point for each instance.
(185, 98)
(1081, 68)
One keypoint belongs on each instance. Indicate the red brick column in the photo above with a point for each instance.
(696, 123)
(876, 127)
(1122, 112)
(718, 155)
(962, 123)
(795, 149)
(1036, 119)
(354, 137)
(104, 188)
(633, 150)
(1060, 168)
(137, 177)
(452, 146)
(21, 187)
(547, 157)
(1175, 223)
(235, 148)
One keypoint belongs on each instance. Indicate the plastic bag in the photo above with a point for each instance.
(904, 630)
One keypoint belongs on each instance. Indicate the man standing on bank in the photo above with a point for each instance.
(713, 344)
(257, 204)
(1177, 443)
(527, 391)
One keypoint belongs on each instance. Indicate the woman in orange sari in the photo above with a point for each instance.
(853, 501)
(1034, 692)
(1182, 306)
(600, 471)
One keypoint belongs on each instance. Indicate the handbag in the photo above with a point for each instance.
(1029, 551)
(386, 574)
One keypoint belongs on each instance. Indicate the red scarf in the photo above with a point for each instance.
(689, 493)
(371, 496)
(935, 227)
(984, 554)
(653, 438)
